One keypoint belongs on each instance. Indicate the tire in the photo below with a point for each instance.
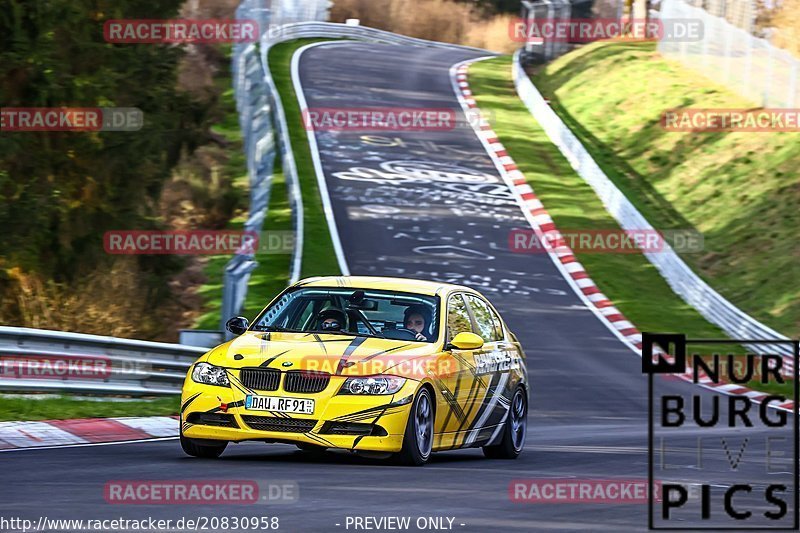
(207, 449)
(418, 437)
(516, 425)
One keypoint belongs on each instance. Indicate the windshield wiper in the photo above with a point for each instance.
(276, 329)
(348, 333)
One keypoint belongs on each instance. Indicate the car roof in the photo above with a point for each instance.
(416, 286)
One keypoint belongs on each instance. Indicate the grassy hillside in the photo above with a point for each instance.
(741, 190)
(630, 280)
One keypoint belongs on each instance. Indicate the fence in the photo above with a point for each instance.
(136, 368)
(255, 99)
(535, 13)
(742, 62)
(263, 122)
(678, 275)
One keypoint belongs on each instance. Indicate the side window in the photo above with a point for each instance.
(488, 323)
(457, 316)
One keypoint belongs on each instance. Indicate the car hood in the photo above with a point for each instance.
(337, 354)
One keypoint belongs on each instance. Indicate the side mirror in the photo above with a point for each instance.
(237, 325)
(466, 341)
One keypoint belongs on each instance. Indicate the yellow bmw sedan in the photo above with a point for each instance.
(378, 366)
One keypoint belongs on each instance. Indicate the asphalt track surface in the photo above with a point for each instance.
(431, 205)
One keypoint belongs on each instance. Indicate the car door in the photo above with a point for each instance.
(496, 362)
(461, 393)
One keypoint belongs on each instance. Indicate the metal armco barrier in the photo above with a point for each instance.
(255, 101)
(262, 119)
(675, 271)
(137, 368)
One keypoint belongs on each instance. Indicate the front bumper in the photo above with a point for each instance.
(352, 422)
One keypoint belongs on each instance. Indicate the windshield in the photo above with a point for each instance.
(371, 313)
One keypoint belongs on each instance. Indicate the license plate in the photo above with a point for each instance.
(279, 404)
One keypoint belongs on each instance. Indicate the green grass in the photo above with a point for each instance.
(268, 279)
(66, 407)
(740, 190)
(272, 274)
(629, 280)
(319, 258)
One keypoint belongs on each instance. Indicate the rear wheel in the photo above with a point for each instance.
(418, 437)
(514, 432)
(207, 449)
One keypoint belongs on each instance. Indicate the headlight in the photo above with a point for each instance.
(373, 385)
(210, 375)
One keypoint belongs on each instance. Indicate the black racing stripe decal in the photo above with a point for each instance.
(477, 382)
(352, 347)
(472, 396)
(472, 402)
(455, 399)
(484, 403)
(398, 403)
(368, 416)
(236, 382)
(496, 417)
(359, 437)
(321, 344)
(271, 359)
(450, 398)
(473, 369)
(382, 352)
(187, 402)
(317, 438)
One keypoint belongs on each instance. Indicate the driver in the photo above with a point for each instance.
(331, 319)
(415, 318)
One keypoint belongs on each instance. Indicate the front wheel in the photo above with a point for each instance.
(207, 449)
(514, 432)
(418, 437)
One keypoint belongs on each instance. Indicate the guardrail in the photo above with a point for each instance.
(255, 100)
(688, 285)
(258, 100)
(133, 367)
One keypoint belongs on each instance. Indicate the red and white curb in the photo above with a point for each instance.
(563, 256)
(48, 433)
